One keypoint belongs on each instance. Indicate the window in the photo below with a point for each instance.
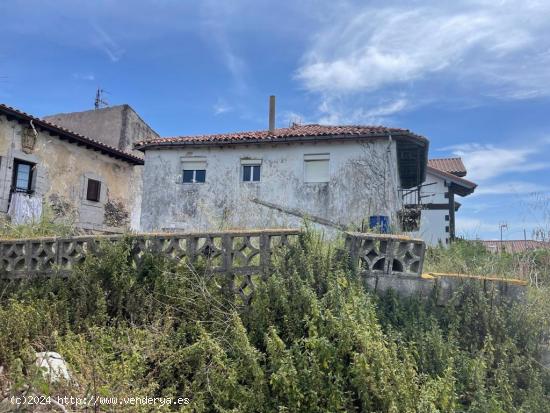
(22, 176)
(192, 176)
(447, 229)
(93, 192)
(446, 217)
(194, 171)
(251, 173)
(316, 168)
(251, 170)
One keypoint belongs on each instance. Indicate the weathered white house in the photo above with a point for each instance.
(434, 200)
(42, 163)
(336, 176)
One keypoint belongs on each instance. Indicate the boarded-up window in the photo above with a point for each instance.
(316, 168)
(93, 192)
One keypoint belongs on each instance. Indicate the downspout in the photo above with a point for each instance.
(451, 213)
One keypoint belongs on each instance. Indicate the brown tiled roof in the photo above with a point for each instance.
(514, 246)
(468, 186)
(294, 133)
(70, 136)
(451, 165)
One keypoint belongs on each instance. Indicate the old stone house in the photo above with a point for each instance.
(98, 184)
(337, 176)
(435, 200)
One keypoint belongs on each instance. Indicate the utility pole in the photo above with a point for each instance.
(502, 225)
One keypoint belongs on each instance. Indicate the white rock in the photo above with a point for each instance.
(53, 364)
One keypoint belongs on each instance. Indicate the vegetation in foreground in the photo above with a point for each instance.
(471, 257)
(312, 340)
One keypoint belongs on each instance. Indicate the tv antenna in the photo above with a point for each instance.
(99, 101)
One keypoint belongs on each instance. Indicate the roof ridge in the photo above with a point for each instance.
(71, 132)
(453, 176)
(291, 132)
(285, 128)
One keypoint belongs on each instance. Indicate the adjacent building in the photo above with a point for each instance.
(432, 206)
(44, 164)
(117, 126)
(337, 176)
(514, 246)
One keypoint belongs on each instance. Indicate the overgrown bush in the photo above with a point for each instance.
(312, 339)
(48, 225)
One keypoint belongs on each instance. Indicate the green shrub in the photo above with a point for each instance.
(311, 340)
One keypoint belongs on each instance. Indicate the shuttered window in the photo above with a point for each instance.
(316, 168)
(194, 171)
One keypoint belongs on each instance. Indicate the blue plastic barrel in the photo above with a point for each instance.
(380, 223)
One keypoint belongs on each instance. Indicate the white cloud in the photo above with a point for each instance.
(476, 225)
(511, 188)
(103, 41)
(489, 161)
(502, 45)
(216, 20)
(477, 228)
(338, 111)
(221, 107)
(287, 118)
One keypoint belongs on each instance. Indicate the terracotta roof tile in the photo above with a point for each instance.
(294, 132)
(92, 143)
(453, 178)
(451, 165)
(514, 246)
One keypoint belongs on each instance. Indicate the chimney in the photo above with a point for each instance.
(271, 113)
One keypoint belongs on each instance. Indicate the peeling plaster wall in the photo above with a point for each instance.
(363, 182)
(61, 174)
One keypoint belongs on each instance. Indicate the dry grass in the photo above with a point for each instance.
(470, 257)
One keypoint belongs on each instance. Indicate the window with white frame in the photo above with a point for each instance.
(316, 167)
(251, 170)
(194, 170)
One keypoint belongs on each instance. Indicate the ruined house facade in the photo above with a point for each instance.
(41, 163)
(435, 200)
(335, 176)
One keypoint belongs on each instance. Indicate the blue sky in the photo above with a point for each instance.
(473, 76)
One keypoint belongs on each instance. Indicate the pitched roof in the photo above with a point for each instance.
(293, 133)
(514, 246)
(451, 165)
(69, 135)
(412, 149)
(464, 187)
